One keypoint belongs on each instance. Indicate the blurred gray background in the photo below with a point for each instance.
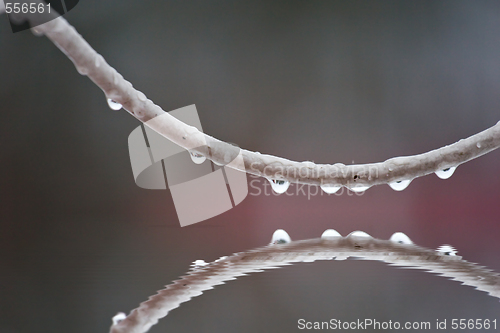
(326, 81)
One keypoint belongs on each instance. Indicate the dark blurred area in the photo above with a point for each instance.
(325, 81)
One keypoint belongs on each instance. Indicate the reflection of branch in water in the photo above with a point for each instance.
(398, 251)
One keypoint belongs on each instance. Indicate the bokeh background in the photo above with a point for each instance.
(326, 81)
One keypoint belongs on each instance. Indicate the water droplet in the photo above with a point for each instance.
(37, 31)
(330, 233)
(447, 250)
(198, 264)
(446, 173)
(478, 145)
(341, 257)
(280, 236)
(359, 234)
(118, 317)
(400, 185)
(400, 238)
(330, 189)
(359, 188)
(141, 96)
(279, 185)
(221, 258)
(114, 105)
(197, 158)
(390, 169)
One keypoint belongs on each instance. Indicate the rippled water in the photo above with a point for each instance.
(319, 287)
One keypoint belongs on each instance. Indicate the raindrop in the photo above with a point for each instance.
(330, 233)
(478, 145)
(359, 234)
(141, 96)
(359, 188)
(118, 317)
(330, 189)
(198, 264)
(446, 173)
(279, 185)
(114, 105)
(447, 250)
(280, 236)
(400, 185)
(400, 238)
(197, 158)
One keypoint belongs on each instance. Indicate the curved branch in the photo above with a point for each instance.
(358, 177)
(357, 244)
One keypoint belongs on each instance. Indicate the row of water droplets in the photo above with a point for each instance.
(280, 236)
(281, 185)
(278, 185)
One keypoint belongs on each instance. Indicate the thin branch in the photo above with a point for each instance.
(358, 177)
(357, 244)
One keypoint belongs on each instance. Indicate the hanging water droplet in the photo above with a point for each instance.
(360, 234)
(197, 158)
(359, 188)
(280, 236)
(118, 317)
(114, 105)
(141, 96)
(446, 173)
(400, 185)
(330, 233)
(400, 238)
(478, 145)
(198, 264)
(330, 189)
(279, 185)
(447, 250)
